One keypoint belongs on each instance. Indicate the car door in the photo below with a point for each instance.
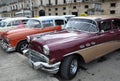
(22, 23)
(48, 25)
(103, 42)
(7, 27)
(106, 39)
(116, 28)
(12, 25)
(15, 24)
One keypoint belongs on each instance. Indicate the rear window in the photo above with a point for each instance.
(59, 22)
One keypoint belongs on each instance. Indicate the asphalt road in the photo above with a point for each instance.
(14, 67)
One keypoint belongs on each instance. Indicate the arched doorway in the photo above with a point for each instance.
(41, 13)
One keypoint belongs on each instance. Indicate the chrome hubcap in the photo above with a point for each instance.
(74, 66)
(24, 46)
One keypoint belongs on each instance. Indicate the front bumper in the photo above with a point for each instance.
(6, 46)
(42, 63)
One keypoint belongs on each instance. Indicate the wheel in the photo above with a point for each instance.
(69, 67)
(21, 46)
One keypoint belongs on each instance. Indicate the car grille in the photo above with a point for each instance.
(37, 57)
(36, 47)
(4, 40)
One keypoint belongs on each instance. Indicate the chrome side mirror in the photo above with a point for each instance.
(102, 31)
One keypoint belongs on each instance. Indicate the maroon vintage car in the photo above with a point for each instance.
(85, 39)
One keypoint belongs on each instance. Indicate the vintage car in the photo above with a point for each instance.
(84, 40)
(12, 23)
(7, 24)
(16, 39)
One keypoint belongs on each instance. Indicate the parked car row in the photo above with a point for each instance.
(12, 23)
(16, 39)
(56, 50)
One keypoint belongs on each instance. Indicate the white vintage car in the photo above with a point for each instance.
(12, 23)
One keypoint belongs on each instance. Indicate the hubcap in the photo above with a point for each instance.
(74, 66)
(24, 46)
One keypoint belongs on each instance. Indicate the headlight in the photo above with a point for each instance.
(46, 49)
(7, 40)
(28, 38)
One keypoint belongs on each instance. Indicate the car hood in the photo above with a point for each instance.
(60, 37)
(21, 31)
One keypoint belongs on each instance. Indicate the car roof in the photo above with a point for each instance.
(98, 17)
(68, 15)
(49, 18)
(13, 19)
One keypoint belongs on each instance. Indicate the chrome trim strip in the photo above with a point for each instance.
(51, 68)
(85, 49)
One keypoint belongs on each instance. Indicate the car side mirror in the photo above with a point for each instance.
(102, 31)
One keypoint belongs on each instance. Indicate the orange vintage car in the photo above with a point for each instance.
(15, 40)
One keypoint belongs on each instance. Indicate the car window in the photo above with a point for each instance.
(9, 24)
(15, 23)
(116, 23)
(59, 22)
(82, 25)
(47, 23)
(24, 21)
(105, 25)
(2, 24)
(33, 23)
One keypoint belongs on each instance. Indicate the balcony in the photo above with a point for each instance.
(107, 0)
(26, 8)
(8, 9)
(49, 4)
(4, 4)
(35, 5)
(21, 0)
(3, 10)
(14, 10)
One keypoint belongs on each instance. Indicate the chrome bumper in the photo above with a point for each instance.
(6, 46)
(51, 68)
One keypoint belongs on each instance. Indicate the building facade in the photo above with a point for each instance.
(59, 7)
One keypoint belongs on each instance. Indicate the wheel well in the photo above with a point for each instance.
(19, 43)
(80, 58)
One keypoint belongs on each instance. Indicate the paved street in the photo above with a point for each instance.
(14, 67)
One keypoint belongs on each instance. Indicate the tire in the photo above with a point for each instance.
(21, 46)
(69, 67)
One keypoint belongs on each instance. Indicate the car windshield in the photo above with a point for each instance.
(33, 23)
(2, 24)
(82, 25)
